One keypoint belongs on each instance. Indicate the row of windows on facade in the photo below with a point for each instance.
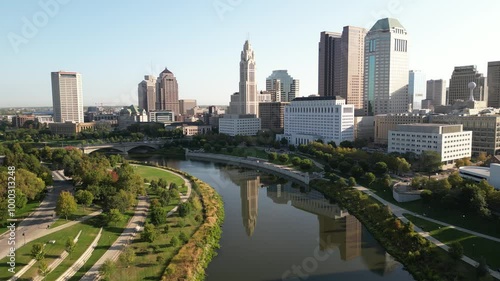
(315, 110)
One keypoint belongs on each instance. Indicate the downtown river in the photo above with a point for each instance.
(275, 230)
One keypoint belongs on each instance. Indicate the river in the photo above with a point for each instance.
(277, 230)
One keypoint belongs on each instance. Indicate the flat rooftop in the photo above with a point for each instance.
(475, 170)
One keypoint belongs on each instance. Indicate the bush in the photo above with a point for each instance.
(283, 158)
(456, 251)
(296, 161)
(184, 209)
(158, 215)
(174, 242)
(306, 164)
(183, 237)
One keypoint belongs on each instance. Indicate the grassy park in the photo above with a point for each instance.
(474, 247)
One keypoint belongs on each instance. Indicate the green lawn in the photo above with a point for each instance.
(52, 250)
(23, 213)
(80, 212)
(153, 173)
(474, 247)
(109, 235)
(147, 264)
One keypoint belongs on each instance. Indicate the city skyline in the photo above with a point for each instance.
(95, 55)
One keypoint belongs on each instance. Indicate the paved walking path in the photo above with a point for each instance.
(398, 212)
(130, 231)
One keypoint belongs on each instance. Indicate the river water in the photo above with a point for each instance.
(277, 230)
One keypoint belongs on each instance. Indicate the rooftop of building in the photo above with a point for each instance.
(313, 98)
(475, 170)
(430, 128)
(386, 24)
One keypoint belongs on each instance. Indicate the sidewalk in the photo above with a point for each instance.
(398, 212)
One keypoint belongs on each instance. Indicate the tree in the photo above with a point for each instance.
(272, 156)
(370, 178)
(184, 209)
(165, 197)
(426, 195)
(455, 180)
(158, 215)
(402, 165)
(380, 168)
(127, 257)
(352, 182)
(107, 269)
(174, 242)
(284, 141)
(38, 251)
(482, 156)
(306, 164)
(121, 201)
(344, 167)
(183, 237)
(43, 268)
(430, 161)
(341, 183)
(356, 171)
(149, 234)
(346, 144)
(296, 161)
(70, 245)
(456, 251)
(283, 158)
(84, 197)
(66, 204)
(114, 217)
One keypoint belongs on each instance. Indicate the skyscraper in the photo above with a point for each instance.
(284, 84)
(328, 61)
(67, 96)
(460, 79)
(386, 68)
(246, 101)
(341, 64)
(186, 104)
(436, 92)
(147, 93)
(417, 88)
(494, 84)
(167, 92)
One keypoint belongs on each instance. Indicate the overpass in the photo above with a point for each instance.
(123, 148)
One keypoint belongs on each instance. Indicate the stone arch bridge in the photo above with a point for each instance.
(123, 148)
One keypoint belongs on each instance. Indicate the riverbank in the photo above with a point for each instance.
(193, 258)
(422, 259)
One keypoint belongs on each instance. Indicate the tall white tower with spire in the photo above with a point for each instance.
(249, 103)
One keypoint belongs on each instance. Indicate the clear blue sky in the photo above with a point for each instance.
(113, 44)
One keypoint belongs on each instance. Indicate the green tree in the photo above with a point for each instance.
(70, 245)
(370, 178)
(284, 141)
(184, 209)
(455, 180)
(127, 257)
(356, 171)
(296, 161)
(38, 251)
(165, 196)
(149, 233)
(380, 168)
(352, 182)
(183, 237)
(272, 156)
(114, 217)
(174, 242)
(158, 215)
(456, 251)
(341, 183)
(43, 268)
(402, 165)
(283, 158)
(426, 196)
(306, 164)
(430, 161)
(84, 197)
(107, 269)
(66, 204)
(344, 167)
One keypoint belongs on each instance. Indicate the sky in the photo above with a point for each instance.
(113, 44)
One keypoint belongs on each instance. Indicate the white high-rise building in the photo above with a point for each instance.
(67, 96)
(417, 88)
(436, 92)
(281, 81)
(246, 101)
(239, 124)
(311, 118)
(386, 68)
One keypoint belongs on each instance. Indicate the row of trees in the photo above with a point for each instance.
(283, 158)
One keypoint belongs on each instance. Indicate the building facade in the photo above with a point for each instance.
(162, 116)
(341, 64)
(386, 68)
(494, 84)
(312, 118)
(436, 92)
(272, 115)
(246, 100)
(168, 92)
(67, 96)
(485, 130)
(186, 104)
(387, 122)
(190, 129)
(283, 85)
(239, 124)
(71, 128)
(459, 84)
(147, 93)
(417, 88)
(450, 141)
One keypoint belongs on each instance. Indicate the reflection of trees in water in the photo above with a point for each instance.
(375, 257)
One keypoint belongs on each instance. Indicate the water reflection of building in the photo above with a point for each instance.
(249, 182)
(344, 233)
(375, 257)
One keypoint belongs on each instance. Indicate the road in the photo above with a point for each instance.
(35, 225)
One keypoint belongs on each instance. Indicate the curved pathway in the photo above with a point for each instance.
(398, 212)
(130, 231)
